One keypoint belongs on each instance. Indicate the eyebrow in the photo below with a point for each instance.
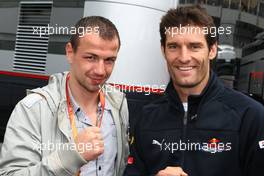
(196, 43)
(191, 43)
(95, 55)
(172, 43)
(112, 57)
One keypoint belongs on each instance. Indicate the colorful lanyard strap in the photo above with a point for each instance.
(71, 114)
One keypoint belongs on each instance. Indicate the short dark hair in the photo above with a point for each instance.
(187, 15)
(106, 29)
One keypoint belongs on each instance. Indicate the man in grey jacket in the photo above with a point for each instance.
(76, 124)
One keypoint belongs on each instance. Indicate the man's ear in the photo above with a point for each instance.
(213, 51)
(69, 52)
(162, 50)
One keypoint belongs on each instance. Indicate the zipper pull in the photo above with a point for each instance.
(185, 118)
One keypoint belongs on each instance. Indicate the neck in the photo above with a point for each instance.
(81, 96)
(184, 92)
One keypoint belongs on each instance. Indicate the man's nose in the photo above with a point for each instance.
(100, 68)
(184, 55)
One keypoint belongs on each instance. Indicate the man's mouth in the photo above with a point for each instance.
(185, 68)
(97, 81)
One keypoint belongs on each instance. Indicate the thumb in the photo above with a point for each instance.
(184, 173)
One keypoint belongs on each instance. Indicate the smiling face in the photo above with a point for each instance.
(188, 56)
(93, 61)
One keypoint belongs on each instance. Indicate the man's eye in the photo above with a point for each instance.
(89, 57)
(110, 61)
(195, 47)
(172, 47)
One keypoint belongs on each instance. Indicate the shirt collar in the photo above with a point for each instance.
(76, 106)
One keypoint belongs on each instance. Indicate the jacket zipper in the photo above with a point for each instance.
(185, 120)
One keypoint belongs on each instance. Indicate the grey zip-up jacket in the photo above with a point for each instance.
(41, 118)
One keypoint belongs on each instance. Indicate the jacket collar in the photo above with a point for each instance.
(55, 93)
(213, 87)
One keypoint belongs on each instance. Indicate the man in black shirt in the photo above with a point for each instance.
(199, 125)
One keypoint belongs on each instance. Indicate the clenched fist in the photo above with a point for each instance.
(90, 143)
(172, 171)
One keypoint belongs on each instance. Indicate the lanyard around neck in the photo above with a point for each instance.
(71, 114)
